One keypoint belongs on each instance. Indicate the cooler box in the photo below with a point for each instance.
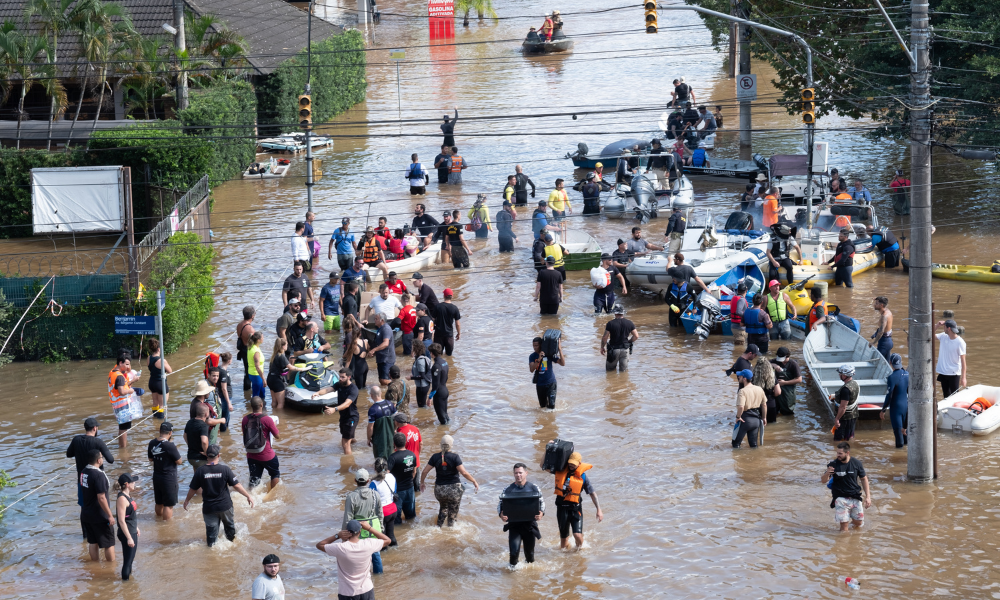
(557, 455)
(550, 343)
(521, 506)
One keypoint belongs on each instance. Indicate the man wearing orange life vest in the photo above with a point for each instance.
(545, 32)
(817, 314)
(772, 208)
(458, 165)
(121, 395)
(571, 483)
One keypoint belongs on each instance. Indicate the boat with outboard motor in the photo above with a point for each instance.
(534, 44)
(642, 201)
(293, 143)
(582, 159)
(270, 169)
(583, 252)
(800, 322)
(701, 317)
(321, 373)
(404, 266)
(833, 345)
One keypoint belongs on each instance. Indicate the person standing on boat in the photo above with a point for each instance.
(860, 194)
(545, 31)
(623, 172)
(787, 375)
(951, 366)
(896, 401)
(781, 310)
(779, 254)
(757, 323)
(772, 207)
(657, 163)
(887, 244)
(591, 195)
(458, 164)
(843, 260)
(846, 400)
(751, 411)
(448, 129)
(521, 184)
(882, 338)
(675, 230)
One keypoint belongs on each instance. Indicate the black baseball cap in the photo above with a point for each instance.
(213, 450)
(417, 275)
(126, 478)
(753, 349)
(166, 427)
(271, 559)
(90, 423)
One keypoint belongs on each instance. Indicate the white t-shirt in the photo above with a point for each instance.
(300, 248)
(949, 355)
(268, 588)
(388, 306)
(385, 488)
(354, 564)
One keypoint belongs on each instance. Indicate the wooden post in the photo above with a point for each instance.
(133, 267)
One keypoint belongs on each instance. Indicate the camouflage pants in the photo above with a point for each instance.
(449, 496)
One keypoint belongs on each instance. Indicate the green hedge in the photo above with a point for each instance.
(184, 269)
(212, 114)
(15, 185)
(174, 155)
(338, 81)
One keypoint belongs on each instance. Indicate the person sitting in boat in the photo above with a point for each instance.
(533, 37)
(860, 194)
(383, 231)
(624, 173)
(679, 151)
(399, 247)
(674, 125)
(545, 32)
(699, 158)
(691, 118)
(657, 164)
(778, 254)
(256, 169)
(311, 342)
(839, 194)
(708, 120)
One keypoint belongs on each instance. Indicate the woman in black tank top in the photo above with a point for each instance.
(356, 353)
(157, 385)
(128, 524)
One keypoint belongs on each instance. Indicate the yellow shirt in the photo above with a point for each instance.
(555, 250)
(558, 200)
(251, 365)
(508, 194)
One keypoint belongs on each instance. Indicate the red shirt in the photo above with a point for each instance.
(412, 440)
(271, 429)
(407, 319)
(397, 288)
(899, 183)
(383, 232)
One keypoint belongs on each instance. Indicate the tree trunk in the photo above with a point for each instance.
(20, 111)
(466, 21)
(100, 103)
(83, 90)
(52, 107)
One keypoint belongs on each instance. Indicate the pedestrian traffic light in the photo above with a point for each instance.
(305, 112)
(650, 16)
(809, 106)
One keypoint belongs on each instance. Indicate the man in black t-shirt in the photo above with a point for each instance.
(686, 273)
(298, 282)
(95, 513)
(787, 375)
(442, 162)
(549, 288)
(425, 225)
(616, 344)
(403, 466)
(847, 499)
(743, 362)
(425, 294)
(214, 480)
(80, 448)
(422, 329)
(447, 325)
(196, 434)
(347, 406)
(165, 457)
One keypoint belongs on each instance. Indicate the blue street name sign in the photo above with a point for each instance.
(135, 325)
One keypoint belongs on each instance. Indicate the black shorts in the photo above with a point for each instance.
(383, 370)
(156, 387)
(276, 383)
(102, 534)
(569, 516)
(257, 468)
(347, 429)
(418, 190)
(125, 426)
(373, 263)
(165, 491)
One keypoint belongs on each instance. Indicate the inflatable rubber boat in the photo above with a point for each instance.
(975, 409)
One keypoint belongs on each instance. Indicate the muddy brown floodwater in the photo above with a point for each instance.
(685, 515)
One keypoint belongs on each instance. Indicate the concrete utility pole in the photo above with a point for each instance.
(308, 92)
(734, 34)
(746, 124)
(920, 451)
(180, 44)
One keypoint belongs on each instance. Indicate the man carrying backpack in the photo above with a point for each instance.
(257, 431)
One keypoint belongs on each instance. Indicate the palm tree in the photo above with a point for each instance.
(144, 76)
(484, 8)
(214, 43)
(53, 18)
(22, 53)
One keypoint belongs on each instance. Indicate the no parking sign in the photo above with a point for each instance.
(746, 88)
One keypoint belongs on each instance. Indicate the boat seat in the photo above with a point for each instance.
(856, 365)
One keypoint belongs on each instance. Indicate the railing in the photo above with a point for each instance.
(155, 239)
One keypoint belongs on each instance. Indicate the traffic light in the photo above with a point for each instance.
(650, 16)
(305, 112)
(809, 106)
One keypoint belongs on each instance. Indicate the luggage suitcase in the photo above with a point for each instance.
(557, 455)
(520, 506)
(550, 343)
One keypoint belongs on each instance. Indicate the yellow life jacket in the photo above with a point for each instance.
(777, 308)
(555, 250)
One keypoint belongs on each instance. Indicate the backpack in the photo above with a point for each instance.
(254, 435)
(477, 222)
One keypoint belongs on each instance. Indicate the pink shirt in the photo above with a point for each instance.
(354, 565)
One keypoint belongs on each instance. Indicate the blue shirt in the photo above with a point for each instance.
(546, 376)
(862, 195)
(330, 295)
(309, 230)
(343, 241)
(351, 276)
(898, 388)
(539, 221)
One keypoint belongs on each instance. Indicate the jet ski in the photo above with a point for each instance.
(321, 373)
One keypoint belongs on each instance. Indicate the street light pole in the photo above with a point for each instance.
(181, 45)
(308, 91)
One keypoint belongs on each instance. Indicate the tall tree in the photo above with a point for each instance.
(26, 57)
(52, 17)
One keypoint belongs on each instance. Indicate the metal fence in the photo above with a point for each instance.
(155, 239)
(70, 290)
(47, 264)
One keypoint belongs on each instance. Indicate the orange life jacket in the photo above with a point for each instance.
(844, 196)
(118, 400)
(456, 164)
(370, 252)
(212, 359)
(575, 484)
(813, 317)
(842, 221)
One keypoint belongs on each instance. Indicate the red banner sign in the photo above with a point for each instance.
(441, 16)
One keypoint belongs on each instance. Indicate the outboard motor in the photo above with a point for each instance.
(739, 220)
(711, 312)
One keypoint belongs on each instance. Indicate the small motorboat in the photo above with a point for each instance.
(583, 248)
(833, 345)
(582, 159)
(404, 266)
(272, 169)
(818, 245)
(322, 373)
(293, 143)
(967, 272)
(533, 43)
(730, 168)
(800, 322)
(975, 409)
(723, 289)
(636, 201)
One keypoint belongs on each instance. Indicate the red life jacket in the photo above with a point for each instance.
(735, 319)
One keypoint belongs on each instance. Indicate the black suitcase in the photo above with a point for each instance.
(550, 343)
(521, 506)
(557, 455)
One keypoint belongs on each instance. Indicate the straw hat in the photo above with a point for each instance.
(203, 388)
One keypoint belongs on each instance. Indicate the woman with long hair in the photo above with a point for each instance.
(255, 365)
(448, 488)
(128, 523)
(356, 352)
(157, 383)
(277, 372)
(384, 483)
(763, 377)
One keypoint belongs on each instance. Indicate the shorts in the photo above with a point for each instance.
(155, 386)
(331, 322)
(383, 370)
(276, 383)
(373, 263)
(347, 429)
(569, 516)
(849, 509)
(418, 190)
(257, 468)
(369, 595)
(102, 534)
(125, 426)
(197, 463)
(165, 491)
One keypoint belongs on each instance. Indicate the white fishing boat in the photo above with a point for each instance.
(975, 409)
(642, 201)
(293, 143)
(425, 258)
(271, 169)
(834, 344)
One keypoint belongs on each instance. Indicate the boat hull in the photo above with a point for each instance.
(651, 272)
(405, 266)
(863, 261)
(561, 45)
(692, 315)
(965, 273)
(833, 345)
(960, 420)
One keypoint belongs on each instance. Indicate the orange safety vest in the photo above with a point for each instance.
(370, 252)
(575, 483)
(842, 221)
(844, 196)
(118, 400)
(813, 316)
(456, 164)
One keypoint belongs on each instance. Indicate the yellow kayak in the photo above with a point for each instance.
(966, 273)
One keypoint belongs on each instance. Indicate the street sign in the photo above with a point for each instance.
(135, 325)
(161, 299)
(397, 54)
(746, 88)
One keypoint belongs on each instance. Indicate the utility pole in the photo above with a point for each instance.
(308, 92)
(161, 301)
(734, 33)
(180, 45)
(920, 452)
(746, 124)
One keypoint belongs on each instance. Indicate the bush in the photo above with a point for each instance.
(163, 146)
(5, 482)
(15, 185)
(184, 269)
(338, 81)
(210, 115)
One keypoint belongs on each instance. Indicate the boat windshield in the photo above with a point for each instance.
(701, 217)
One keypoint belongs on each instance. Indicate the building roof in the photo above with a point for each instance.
(274, 29)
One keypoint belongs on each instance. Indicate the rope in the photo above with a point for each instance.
(4, 347)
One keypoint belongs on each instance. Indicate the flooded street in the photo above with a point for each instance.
(685, 516)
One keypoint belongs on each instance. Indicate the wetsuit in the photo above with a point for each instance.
(780, 247)
(591, 198)
(505, 233)
(448, 129)
(750, 397)
(128, 554)
(844, 264)
(896, 403)
(439, 388)
(521, 183)
(359, 365)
